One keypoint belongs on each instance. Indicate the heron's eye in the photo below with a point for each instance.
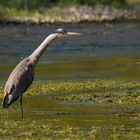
(61, 31)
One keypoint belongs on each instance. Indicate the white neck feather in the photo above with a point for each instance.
(38, 52)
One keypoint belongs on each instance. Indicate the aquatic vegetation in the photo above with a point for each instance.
(55, 87)
(29, 129)
(124, 93)
(97, 91)
(105, 98)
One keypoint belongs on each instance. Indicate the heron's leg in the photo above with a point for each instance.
(21, 107)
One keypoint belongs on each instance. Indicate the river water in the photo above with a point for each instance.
(106, 50)
(102, 51)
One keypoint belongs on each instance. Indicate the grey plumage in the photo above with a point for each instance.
(22, 76)
(19, 81)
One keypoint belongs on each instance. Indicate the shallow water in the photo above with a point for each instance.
(79, 115)
(72, 112)
(103, 51)
(107, 50)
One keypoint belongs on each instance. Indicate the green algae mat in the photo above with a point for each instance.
(99, 109)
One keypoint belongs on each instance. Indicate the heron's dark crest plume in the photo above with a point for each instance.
(23, 74)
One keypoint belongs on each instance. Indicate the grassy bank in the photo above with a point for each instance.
(44, 11)
(39, 4)
(37, 7)
(61, 11)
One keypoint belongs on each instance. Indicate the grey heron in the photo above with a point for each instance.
(23, 74)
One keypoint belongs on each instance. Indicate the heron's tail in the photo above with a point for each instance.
(7, 100)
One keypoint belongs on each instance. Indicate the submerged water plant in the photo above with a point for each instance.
(99, 91)
(63, 124)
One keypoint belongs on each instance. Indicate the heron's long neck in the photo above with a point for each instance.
(38, 52)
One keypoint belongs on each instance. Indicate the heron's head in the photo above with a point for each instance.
(62, 32)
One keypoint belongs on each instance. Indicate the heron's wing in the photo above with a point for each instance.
(20, 79)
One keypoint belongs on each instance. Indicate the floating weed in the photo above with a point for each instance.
(51, 87)
(122, 98)
(98, 91)
(35, 129)
(43, 129)
(132, 115)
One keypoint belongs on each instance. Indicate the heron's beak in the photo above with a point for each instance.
(73, 33)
